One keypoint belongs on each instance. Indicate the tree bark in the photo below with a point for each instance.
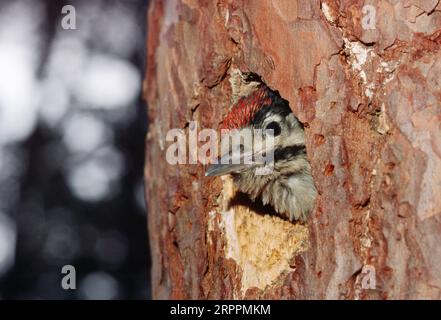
(370, 101)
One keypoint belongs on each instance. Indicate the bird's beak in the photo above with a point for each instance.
(223, 166)
(236, 161)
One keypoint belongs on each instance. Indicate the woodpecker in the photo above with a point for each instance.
(288, 187)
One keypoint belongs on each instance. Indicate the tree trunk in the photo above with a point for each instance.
(366, 82)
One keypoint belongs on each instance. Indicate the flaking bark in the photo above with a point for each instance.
(370, 101)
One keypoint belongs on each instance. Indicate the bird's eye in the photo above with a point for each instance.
(275, 127)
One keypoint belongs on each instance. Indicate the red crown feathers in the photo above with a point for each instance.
(244, 110)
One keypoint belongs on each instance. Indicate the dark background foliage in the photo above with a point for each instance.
(72, 126)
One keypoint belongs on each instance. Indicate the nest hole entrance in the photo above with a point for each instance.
(261, 242)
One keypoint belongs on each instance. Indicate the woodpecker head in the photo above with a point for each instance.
(288, 186)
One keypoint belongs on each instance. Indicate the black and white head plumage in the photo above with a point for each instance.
(289, 187)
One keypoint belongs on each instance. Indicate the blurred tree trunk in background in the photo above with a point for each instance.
(365, 80)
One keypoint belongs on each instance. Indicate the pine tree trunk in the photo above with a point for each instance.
(366, 82)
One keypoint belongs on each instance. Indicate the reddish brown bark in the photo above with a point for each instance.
(372, 115)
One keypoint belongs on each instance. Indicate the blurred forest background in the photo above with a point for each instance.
(72, 126)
